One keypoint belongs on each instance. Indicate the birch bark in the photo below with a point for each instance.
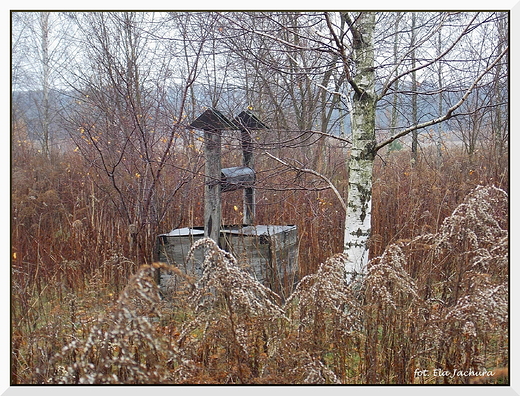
(359, 201)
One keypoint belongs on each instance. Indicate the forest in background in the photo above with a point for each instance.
(102, 161)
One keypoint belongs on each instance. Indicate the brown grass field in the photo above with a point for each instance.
(432, 309)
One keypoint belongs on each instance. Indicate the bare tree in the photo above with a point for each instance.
(123, 120)
(356, 225)
(499, 120)
(285, 86)
(39, 49)
(358, 42)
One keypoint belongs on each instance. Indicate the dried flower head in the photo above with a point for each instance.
(123, 347)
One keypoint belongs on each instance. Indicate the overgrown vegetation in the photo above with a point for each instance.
(387, 141)
(85, 308)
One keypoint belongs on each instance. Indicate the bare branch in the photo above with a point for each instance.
(342, 51)
(449, 114)
(312, 172)
(398, 77)
(341, 139)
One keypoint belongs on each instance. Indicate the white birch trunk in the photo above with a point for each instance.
(359, 202)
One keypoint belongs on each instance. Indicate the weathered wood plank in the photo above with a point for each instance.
(268, 252)
(212, 186)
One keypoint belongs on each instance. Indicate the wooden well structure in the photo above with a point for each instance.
(268, 252)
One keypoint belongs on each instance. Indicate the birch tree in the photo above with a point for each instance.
(361, 163)
(374, 68)
(38, 53)
(364, 143)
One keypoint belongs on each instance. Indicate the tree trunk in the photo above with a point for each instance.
(414, 90)
(359, 204)
(441, 96)
(45, 118)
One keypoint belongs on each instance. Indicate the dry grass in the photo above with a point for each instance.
(441, 300)
(122, 346)
(435, 296)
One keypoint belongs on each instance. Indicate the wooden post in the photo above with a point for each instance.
(249, 192)
(212, 187)
(247, 122)
(212, 122)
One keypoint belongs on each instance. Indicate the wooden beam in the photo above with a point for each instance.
(247, 122)
(212, 187)
(249, 192)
